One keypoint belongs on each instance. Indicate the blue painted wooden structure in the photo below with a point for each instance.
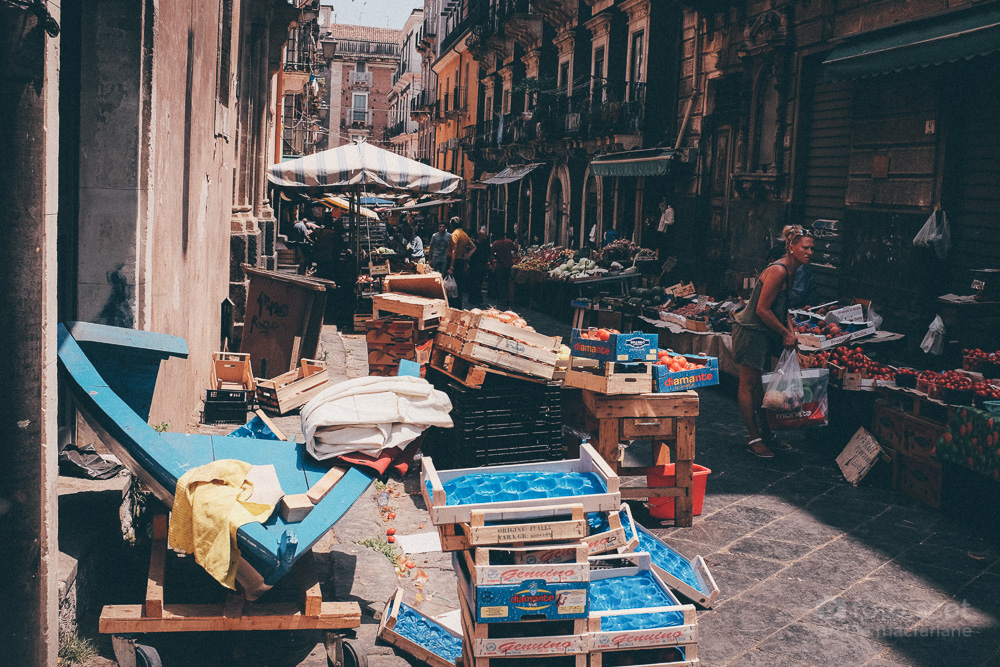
(112, 374)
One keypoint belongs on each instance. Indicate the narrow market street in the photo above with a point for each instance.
(812, 571)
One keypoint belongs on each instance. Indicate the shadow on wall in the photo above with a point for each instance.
(119, 309)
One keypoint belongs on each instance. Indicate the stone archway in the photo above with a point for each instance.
(557, 205)
(592, 207)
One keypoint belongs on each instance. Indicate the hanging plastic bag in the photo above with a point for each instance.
(935, 234)
(874, 318)
(784, 392)
(933, 342)
(815, 408)
(451, 286)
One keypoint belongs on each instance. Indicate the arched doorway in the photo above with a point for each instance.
(557, 206)
(591, 219)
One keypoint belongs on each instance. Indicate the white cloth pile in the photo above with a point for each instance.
(369, 414)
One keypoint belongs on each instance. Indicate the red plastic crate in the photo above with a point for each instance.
(657, 476)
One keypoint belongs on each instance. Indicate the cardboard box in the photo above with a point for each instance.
(665, 382)
(634, 346)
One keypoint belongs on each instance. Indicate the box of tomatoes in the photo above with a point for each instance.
(680, 372)
(610, 345)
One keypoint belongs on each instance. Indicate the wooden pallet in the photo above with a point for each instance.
(523, 527)
(469, 372)
(606, 377)
(426, 312)
(507, 353)
(293, 389)
(386, 632)
(312, 613)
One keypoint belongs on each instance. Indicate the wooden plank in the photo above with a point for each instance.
(319, 490)
(312, 595)
(119, 619)
(648, 426)
(233, 607)
(529, 531)
(153, 606)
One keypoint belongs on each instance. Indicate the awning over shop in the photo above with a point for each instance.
(340, 202)
(648, 162)
(361, 164)
(427, 204)
(935, 41)
(511, 174)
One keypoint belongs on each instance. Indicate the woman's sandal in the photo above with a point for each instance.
(759, 449)
(778, 445)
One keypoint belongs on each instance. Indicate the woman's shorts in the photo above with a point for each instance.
(754, 347)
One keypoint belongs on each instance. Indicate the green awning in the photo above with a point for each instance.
(648, 162)
(935, 41)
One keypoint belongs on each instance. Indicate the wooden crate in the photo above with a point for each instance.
(589, 462)
(490, 341)
(468, 372)
(231, 371)
(605, 377)
(426, 312)
(293, 389)
(469, 320)
(624, 565)
(613, 539)
(557, 563)
(522, 639)
(542, 524)
(386, 632)
(918, 478)
(429, 284)
(664, 656)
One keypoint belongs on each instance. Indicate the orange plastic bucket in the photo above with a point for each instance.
(657, 476)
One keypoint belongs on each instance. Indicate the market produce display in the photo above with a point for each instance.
(598, 334)
(675, 363)
(621, 250)
(543, 258)
(856, 361)
(972, 439)
(577, 269)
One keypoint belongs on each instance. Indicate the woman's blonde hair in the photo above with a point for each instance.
(792, 233)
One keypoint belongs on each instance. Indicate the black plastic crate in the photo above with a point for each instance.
(228, 395)
(225, 412)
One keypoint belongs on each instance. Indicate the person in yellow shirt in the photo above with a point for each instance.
(460, 249)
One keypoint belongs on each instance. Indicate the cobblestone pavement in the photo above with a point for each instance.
(812, 571)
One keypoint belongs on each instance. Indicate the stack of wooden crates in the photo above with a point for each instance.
(391, 339)
(524, 580)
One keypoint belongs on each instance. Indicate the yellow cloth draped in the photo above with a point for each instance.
(210, 504)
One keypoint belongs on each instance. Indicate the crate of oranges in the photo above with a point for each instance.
(680, 372)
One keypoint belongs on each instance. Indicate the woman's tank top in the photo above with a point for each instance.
(748, 316)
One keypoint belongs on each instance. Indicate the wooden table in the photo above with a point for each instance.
(666, 419)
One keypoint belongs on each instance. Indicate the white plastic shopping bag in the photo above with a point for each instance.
(935, 234)
(784, 393)
(451, 286)
(933, 342)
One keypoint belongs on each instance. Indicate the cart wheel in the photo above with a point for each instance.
(147, 656)
(351, 656)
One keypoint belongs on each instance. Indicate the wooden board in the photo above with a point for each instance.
(429, 285)
(556, 563)
(281, 325)
(387, 633)
(468, 372)
(676, 404)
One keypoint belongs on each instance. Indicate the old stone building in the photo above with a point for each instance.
(868, 116)
(136, 139)
(361, 63)
(402, 131)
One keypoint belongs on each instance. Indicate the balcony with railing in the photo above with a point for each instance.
(455, 105)
(405, 126)
(356, 78)
(355, 47)
(356, 118)
(423, 105)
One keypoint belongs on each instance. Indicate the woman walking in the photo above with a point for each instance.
(760, 331)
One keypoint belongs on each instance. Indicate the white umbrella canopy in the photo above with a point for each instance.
(361, 164)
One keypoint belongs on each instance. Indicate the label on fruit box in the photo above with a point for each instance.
(654, 637)
(853, 313)
(514, 574)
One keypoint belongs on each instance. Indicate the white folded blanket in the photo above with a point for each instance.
(369, 414)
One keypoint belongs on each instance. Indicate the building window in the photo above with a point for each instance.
(225, 48)
(598, 74)
(564, 77)
(359, 111)
(637, 60)
(361, 66)
(765, 122)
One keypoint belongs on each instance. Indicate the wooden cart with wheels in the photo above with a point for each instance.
(126, 622)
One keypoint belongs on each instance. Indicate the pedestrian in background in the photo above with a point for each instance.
(479, 261)
(505, 255)
(460, 248)
(439, 249)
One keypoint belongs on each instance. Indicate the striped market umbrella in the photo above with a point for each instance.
(361, 164)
